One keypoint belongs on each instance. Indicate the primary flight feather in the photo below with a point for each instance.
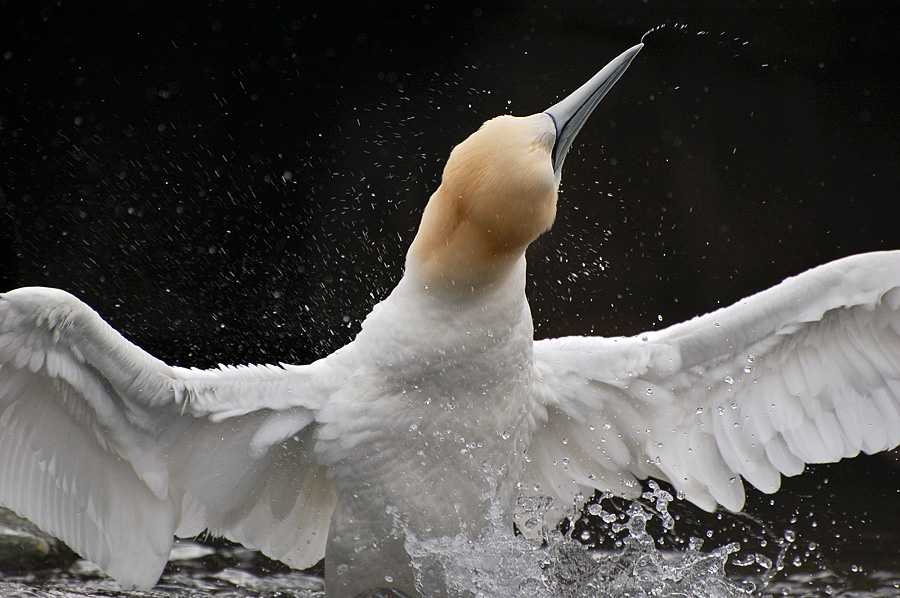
(443, 411)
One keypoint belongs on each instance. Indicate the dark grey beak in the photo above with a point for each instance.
(570, 114)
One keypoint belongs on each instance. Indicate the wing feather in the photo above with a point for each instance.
(114, 451)
(808, 371)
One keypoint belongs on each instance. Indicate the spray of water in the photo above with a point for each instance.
(500, 563)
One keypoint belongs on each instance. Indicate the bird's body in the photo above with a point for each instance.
(444, 411)
(412, 371)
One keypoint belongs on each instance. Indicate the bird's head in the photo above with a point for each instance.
(499, 187)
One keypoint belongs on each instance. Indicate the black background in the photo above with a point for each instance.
(238, 182)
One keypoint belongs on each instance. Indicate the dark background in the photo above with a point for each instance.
(238, 182)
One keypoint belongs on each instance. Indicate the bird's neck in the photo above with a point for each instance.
(453, 250)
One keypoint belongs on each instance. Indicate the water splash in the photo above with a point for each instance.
(633, 560)
(500, 563)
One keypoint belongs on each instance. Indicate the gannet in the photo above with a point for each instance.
(444, 411)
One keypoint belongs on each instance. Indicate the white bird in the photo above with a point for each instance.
(443, 410)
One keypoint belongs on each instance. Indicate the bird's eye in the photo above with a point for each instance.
(545, 141)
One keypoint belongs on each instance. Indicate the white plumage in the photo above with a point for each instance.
(444, 407)
(805, 372)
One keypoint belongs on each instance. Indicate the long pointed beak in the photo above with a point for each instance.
(570, 114)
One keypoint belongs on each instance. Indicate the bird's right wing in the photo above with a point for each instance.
(805, 372)
(114, 451)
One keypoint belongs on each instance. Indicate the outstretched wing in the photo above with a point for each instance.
(805, 372)
(114, 451)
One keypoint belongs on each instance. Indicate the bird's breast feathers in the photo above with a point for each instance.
(431, 384)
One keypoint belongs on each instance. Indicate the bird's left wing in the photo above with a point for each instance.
(113, 450)
(805, 372)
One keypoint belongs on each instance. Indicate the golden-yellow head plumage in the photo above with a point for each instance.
(497, 195)
(498, 191)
